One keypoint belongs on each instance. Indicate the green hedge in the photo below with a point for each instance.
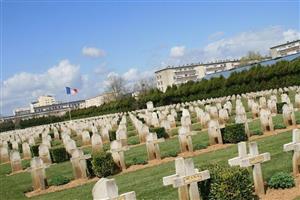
(160, 131)
(59, 154)
(234, 133)
(34, 150)
(59, 180)
(279, 107)
(226, 183)
(112, 135)
(104, 165)
(281, 180)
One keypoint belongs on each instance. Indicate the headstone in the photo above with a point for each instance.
(44, 154)
(15, 161)
(253, 159)
(185, 139)
(70, 146)
(223, 116)
(86, 138)
(288, 115)
(96, 143)
(255, 110)
(186, 179)
(26, 151)
(121, 135)
(295, 147)
(107, 189)
(214, 132)
(266, 120)
(79, 165)
(38, 173)
(297, 100)
(152, 146)
(117, 150)
(4, 156)
(105, 135)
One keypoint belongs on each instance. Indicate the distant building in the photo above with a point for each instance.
(44, 101)
(194, 72)
(99, 100)
(21, 111)
(285, 49)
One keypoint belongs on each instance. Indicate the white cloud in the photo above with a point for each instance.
(216, 35)
(177, 51)
(24, 87)
(236, 46)
(93, 52)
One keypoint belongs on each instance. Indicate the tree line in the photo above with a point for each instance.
(281, 74)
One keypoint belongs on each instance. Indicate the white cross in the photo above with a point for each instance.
(294, 146)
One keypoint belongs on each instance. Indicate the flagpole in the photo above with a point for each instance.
(69, 107)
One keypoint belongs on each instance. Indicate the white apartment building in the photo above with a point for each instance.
(194, 72)
(44, 101)
(178, 75)
(285, 49)
(99, 100)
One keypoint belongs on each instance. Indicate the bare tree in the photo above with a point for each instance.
(116, 85)
(144, 85)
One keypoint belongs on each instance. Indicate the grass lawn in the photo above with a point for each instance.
(147, 183)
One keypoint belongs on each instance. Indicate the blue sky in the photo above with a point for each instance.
(43, 41)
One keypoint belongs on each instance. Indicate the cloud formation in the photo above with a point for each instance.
(93, 52)
(236, 46)
(24, 87)
(177, 51)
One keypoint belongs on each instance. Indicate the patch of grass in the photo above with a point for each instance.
(133, 140)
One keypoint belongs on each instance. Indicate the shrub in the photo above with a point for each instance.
(112, 135)
(89, 166)
(257, 132)
(170, 154)
(200, 146)
(234, 133)
(59, 180)
(35, 150)
(298, 121)
(279, 126)
(131, 133)
(20, 147)
(226, 183)
(133, 140)
(161, 132)
(51, 134)
(279, 107)
(281, 180)
(179, 115)
(138, 161)
(59, 154)
(104, 165)
(56, 143)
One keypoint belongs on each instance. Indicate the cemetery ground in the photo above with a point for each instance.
(147, 182)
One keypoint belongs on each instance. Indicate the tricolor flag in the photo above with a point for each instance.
(71, 91)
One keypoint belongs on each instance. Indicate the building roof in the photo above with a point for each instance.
(284, 44)
(197, 64)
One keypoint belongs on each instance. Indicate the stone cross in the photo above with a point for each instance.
(266, 120)
(117, 150)
(96, 142)
(26, 151)
(44, 154)
(152, 146)
(294, 146)
(186, 178)
(38, 173)
(15, 161)
(143, 132)
(4, 156)
(86, 138)
(185, 139)
(214, 132)
(253, 159)
(288, 115)
(107, 189)
(79, 165)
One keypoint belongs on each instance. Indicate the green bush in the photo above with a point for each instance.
(257, 132)
(298, 121)
(199, 146)
(59, 180)
(20, 147)
(137, 161)
(160, 131)
(226, 183)
(51, 134)
(89, 166)
(170, 154)
(279, 107)
(34, 150)
(112, 135)
(281, 180)
(104, 165)
(234, 133)
(59, 154)
(279, 126)
(56, 143)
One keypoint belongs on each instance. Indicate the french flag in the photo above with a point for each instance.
(71, 91)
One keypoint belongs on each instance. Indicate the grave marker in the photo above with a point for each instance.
(294, 146)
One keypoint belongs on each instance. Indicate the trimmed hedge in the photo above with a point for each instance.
(112, 135)
(226, 183)
(279, 107)
(34, 150)
(104, 165)
(281, 180)
(59, 154)
(59, 180)
(234, 133)
(160, 131)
